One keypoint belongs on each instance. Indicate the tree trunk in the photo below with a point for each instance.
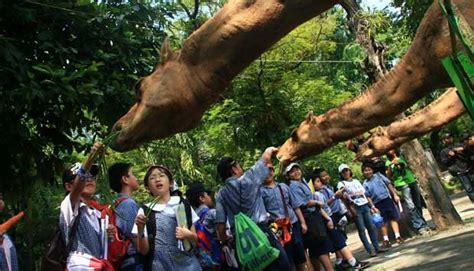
(438, 203)
(437, 200)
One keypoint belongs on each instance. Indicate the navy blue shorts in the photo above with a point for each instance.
(325, 247)
(388, 210)
(295, 248)
(338, 238)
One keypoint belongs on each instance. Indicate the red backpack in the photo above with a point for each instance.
(117, 249)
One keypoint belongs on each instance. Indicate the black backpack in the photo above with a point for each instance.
(56, 253)
(151, 229)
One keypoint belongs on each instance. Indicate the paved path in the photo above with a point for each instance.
(452, 249)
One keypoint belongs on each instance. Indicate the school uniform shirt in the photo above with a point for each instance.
(126, 212)
(89, 235)
(376, 187)
(274, 204)
(167, 254)
(8, 257)
(169, 209)
(302, 195)
(355, 191)
(320, 197)
(209, 220)
(243, 194)
(336, 204)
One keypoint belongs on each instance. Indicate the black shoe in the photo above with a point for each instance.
(360, 265)
(344, 265)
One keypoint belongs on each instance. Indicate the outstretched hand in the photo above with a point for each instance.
(268, 153)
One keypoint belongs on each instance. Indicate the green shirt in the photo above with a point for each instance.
(401, 177)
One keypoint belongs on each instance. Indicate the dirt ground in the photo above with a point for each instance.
(451, 249)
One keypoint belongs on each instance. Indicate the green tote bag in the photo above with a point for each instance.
(253, 248)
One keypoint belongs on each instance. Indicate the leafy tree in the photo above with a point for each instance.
(66, 68)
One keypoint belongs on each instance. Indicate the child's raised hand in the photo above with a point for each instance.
(97, 148)
(183, 233)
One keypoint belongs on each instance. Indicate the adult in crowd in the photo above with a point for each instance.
(455, 157)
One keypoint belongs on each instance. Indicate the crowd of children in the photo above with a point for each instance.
(304, 220)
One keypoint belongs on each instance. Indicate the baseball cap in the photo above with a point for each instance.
(195, 190)
(291, 166)
(341, 167)
(71, 173)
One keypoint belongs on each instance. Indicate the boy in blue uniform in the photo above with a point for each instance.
(87, 246)
(379, 191)
(200, 199)
(123, 181)
(241, 193)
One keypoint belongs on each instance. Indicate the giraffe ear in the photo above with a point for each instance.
(310, 118)
(166, 53)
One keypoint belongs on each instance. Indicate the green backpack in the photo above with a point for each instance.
(253, 248)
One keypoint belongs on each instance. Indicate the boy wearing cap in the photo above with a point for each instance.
(123, 181)
(80, 185)
(241, 193)
(200, 199)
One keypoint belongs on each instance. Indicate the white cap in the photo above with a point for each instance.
(341, 167)
(291, 166)
(75, 168)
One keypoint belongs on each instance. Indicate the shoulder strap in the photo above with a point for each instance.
(151, 229)
(119, 200)
(187, 209)
(287, 214)
(72, 233)
(203, 214)
(325, 192)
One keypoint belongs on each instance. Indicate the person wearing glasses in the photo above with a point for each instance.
(160, 237)
(87, 242)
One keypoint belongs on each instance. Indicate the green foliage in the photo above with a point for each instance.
(67, 66)
(411, 13)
